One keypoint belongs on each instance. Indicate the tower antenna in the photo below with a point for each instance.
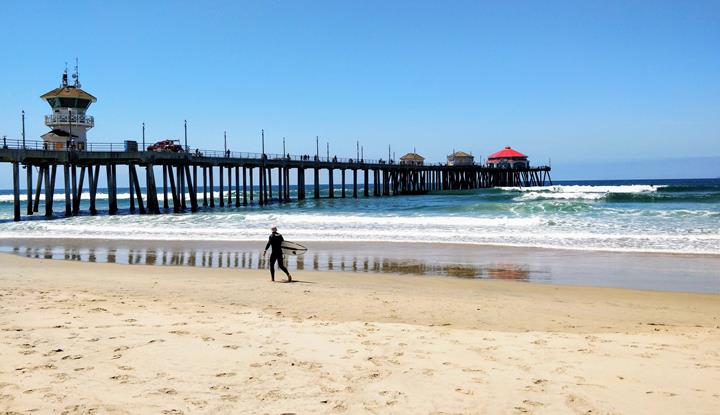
(64, 77)
(76, 75)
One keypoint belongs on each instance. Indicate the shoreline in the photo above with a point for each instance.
(83, 337)
(363, 241)
(662, 272)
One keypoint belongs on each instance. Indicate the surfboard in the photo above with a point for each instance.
(292, 248)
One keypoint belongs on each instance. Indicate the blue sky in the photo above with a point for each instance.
(578, 82)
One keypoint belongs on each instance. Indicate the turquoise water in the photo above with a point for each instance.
(669, 216)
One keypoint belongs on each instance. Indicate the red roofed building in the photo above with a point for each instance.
(508, 158)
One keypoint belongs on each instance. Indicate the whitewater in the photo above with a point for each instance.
(650, 216)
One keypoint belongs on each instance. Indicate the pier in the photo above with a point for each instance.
(192, 178)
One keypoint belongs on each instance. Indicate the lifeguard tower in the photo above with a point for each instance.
(68, 121)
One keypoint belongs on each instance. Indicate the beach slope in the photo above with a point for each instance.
(105, 338)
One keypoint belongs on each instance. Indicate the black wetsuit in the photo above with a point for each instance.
(275, 241)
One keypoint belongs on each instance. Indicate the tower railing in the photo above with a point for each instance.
(64, 118)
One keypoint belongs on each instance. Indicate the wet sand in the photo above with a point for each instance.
(80, 337)
(648, 271)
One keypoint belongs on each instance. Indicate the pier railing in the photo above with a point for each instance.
(110, 147)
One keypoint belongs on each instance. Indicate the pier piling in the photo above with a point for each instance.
(16, 191)
(182, 172)
(28, 188)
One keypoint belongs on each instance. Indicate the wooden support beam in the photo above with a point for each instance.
(222, 186)
(192, 189)
(136, 183)
(73, 185)
(355, 183)
(173, 190)
(245, 195)
(301, 183)
(366, 176)
(78, 191)
(195, 181)
(153, 205)
(28, 188)
(50, 190)
(205, 185)
(269, 186)
(316, 183)
(131, 188)
(331, 185)
(252, 185)
(94, 177)
(237, 186)
(212, 187)
(342, 183)
(48, 201)
(287, 184)
(16, 191)
(261, 185)
(165, 186)
(229, 199)
(182, 187)
(109, 179)
(38, 187)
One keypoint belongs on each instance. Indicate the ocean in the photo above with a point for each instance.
(653, 216)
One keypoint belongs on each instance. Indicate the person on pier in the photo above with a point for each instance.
(275, 241)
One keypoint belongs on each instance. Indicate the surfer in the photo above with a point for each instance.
(275, 241)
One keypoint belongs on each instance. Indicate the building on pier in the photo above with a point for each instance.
(68, 120)
(460, 158)
(508, 158)
(412, 159)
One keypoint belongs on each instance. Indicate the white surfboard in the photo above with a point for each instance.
(292, 248)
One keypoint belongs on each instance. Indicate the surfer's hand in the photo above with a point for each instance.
(264, 253)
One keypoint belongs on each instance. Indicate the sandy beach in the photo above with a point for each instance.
(108, 338)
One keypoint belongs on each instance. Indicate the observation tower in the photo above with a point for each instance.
(68, 121)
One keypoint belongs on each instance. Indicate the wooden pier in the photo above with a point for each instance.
(243, 179)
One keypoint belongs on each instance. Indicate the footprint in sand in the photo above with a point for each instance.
(225, 374)
(121, 378)
(579, 405)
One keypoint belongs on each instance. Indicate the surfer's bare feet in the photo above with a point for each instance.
(289, 278)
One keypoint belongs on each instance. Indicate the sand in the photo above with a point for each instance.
(129, 339)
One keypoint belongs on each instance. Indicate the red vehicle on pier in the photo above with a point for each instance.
(172, 146)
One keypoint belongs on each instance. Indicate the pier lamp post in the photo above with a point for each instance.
(186, 146)
(357, 150)
(328, 150)
(362, 152)
(23, 128)
(143, 137)
(389, 154)
(317, 148)
(284, 147)
(225, 140)
(262, 133)
(5, 142)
